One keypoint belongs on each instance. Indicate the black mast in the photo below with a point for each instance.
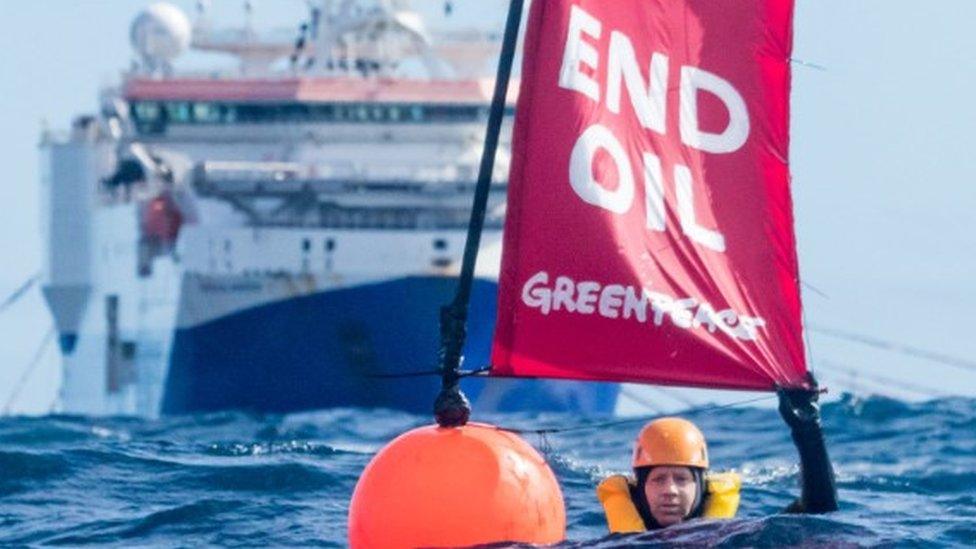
(452, 409)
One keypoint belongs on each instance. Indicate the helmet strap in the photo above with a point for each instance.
(699, 506)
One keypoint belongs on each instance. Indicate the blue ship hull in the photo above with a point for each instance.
(321, 351)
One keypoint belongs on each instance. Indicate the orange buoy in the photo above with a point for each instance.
(459, 486)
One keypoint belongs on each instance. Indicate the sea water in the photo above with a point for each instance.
(905, 476)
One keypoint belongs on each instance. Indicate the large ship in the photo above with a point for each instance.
(279, 237)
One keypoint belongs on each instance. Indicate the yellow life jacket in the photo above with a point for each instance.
(721, 501)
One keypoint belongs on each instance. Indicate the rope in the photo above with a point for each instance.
(636, 419)
(884, 380)
(437, 372)
(878, 343)
(29, 371)
(675, 396)
(625, 392)
(814, 289)
(808, 64)
(805, 330)
(19, 292)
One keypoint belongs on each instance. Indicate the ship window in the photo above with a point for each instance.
(440, 244)
(441, 262)
(206, 113)
(295, 112)
(128, 350)
(249, 113)
(151, 116)
(306, 244)
(322, 112)
(145, 110)
(330, 244)
(228, 114)
(178, 112)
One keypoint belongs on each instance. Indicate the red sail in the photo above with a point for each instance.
(649, 233)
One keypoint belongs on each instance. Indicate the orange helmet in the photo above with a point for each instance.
(670, 441)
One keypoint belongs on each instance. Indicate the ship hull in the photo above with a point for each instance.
(331, 348)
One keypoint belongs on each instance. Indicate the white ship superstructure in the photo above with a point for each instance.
(274, 237)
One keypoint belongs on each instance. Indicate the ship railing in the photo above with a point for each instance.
(286, 194)
(338, 187)
(333, 216)
(278, 171)
(434, 175)
(191, 74)
(54, 137)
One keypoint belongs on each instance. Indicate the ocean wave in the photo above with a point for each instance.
(904, 473)
(178, 520)
(237, 449)
(26, 470)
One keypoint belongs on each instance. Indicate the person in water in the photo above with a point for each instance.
(671, 482)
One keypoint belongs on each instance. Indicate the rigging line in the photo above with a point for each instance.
(852, 384)
(625, 391)
(53, 407)
(29, 370)
(884, 383)
(856, 386)
(19, 292)
(909, 350)
(805, 329)
(814, 289)
(636, 419)
(883, 379)
(808, 64)
(437, 372)
(675, 396)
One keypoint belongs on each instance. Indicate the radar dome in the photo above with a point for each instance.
(161, 33)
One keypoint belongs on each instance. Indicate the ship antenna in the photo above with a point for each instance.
(249, 17)
(452, 409)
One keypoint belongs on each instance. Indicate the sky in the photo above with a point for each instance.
(883, 188)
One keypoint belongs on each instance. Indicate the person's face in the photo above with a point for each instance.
(670, 493)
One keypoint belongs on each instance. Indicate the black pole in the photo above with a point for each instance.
(451, 409)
